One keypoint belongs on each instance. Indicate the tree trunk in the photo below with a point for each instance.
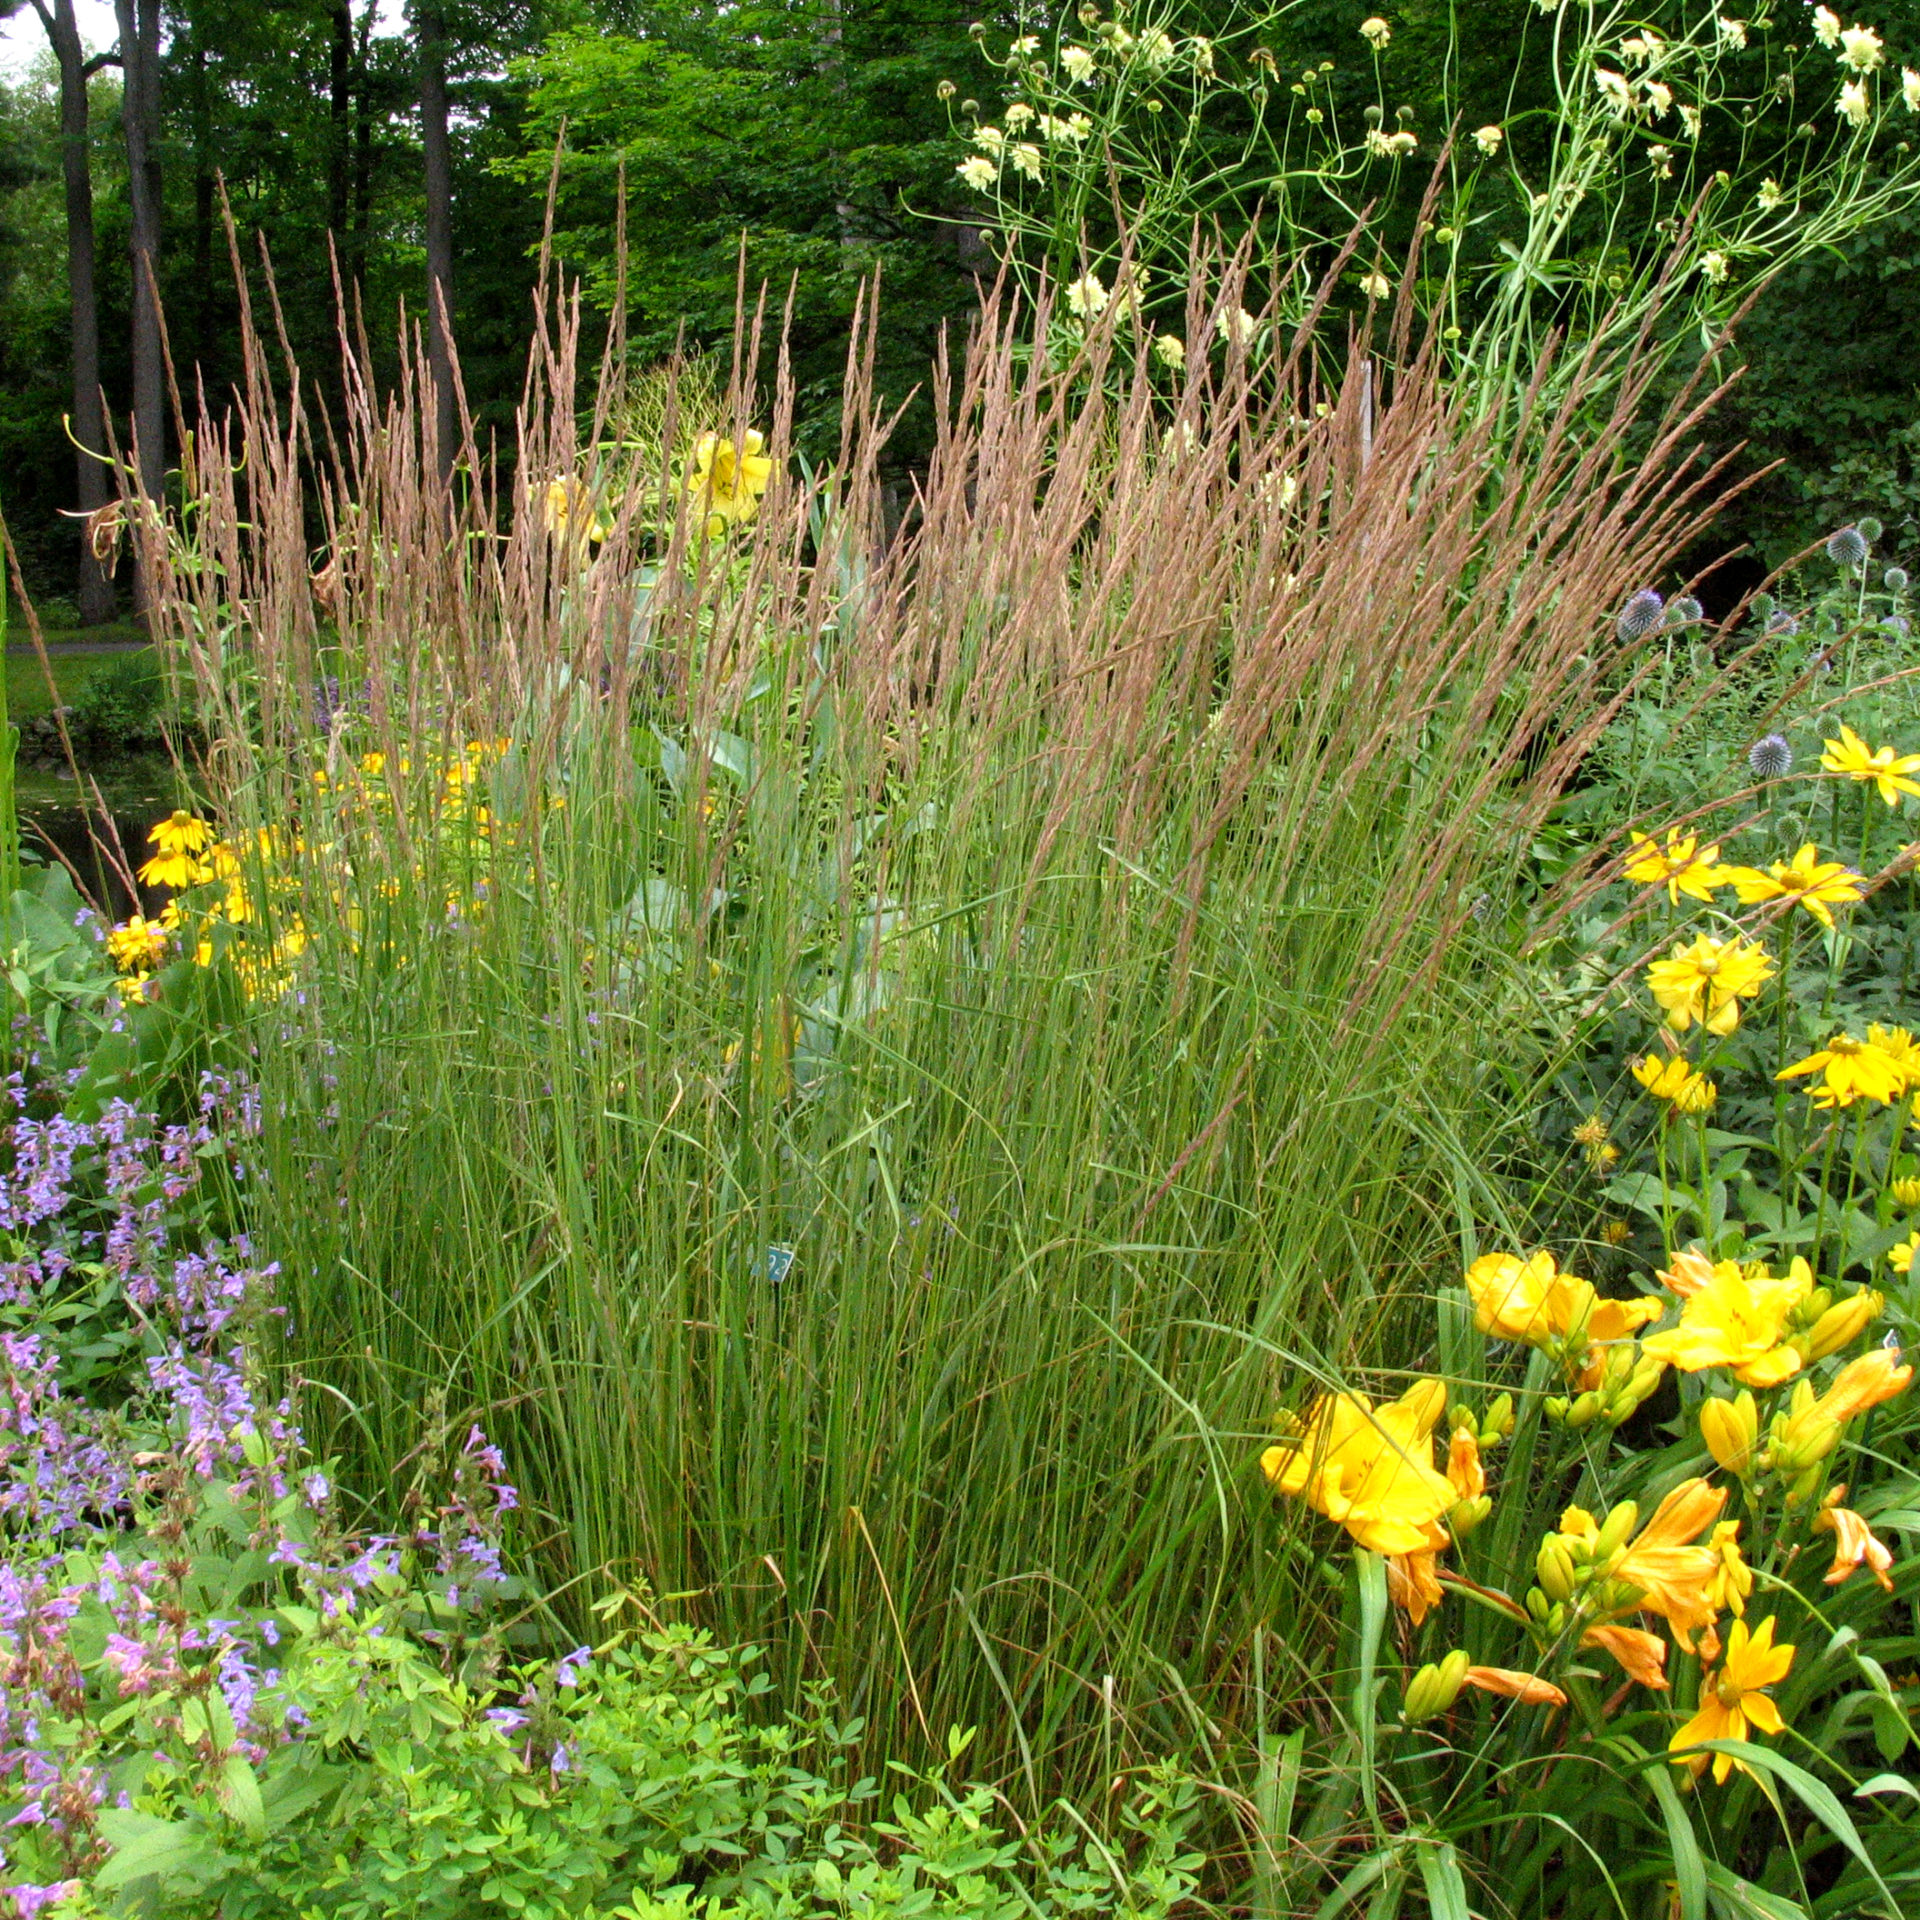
(140, 113)
(203, 199)
(430, 31)
(95, 585)
(362, 208)
(340, 127)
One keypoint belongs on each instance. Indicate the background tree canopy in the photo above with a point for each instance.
(809, 139)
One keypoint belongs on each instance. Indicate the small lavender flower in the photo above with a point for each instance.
(1771, 758)
(1641, 614)
(1847, 547)
(567, 1670)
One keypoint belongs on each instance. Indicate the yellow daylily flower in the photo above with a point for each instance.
(1683, 865)
(1817, 885)
(1732, 1701)
(1370, 1469)
(1737, 1320)
(725, 482)
(1528, 1300)
(1706, 979)
(1527, 1688)
(1850, 1070)
(1642, 1655)
(1889, 771)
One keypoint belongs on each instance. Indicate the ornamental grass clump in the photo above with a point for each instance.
(841, 1121)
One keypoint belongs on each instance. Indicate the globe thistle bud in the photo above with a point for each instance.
(1771, 758)
(1870, 528)
(1895, 579)
(1641, 614)
(1848, 547)
(1763, 605)
(1685, 612)
(1782, 625)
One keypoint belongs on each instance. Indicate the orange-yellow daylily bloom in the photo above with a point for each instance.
(1877, 1375)
(1671, 1575)
(1370, 1469)
(1413, 1584)
(1817, 885)
(1737, 1320)
(1732, 1701)
(1528, 1299)
(1683, 865)
(1889, 771)
(1705, 979)
(1642, 1655)
(1850, 1070)
(1854, 1543)
(1612, 1324)
(1526, 1687)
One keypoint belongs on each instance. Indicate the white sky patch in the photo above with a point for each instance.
(23, 39)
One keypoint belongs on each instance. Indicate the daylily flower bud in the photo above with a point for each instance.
(1807, 1487)
(1538, 1605)
(1435, 1687)
(1468, 1514)
(1842, 1324)
(1499, 1421)
(1802, 1436)
(1585, 1410)
(1614, 1530)
(1555, 1410)
(1731, 1429)
(1553, 1568)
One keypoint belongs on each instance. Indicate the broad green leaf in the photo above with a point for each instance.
(1689, 1869)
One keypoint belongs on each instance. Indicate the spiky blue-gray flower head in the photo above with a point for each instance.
(1686, 612)
(1897, 625)
(1896, 579)
(1847, 547)
(1783, 625)
(1771, 758)
(1641, 614)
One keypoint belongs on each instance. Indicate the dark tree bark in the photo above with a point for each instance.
(204, 179)
(340, 127)
(430, 32)
(361, 214)
(89, 428)
(140, 114)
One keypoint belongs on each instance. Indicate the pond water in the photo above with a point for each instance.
(135, 790)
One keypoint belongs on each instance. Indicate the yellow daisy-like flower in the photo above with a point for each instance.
(1706, 980)
(1889, 771)
(1899, 1047)
(1900, 1258)
(1850, 1070)
(137, 945)
(1733, 1700)
(1737, 1320)
(181, 832)
(1683, 865)
(174, 870)
(1673, 1081)
(1817, 885)
(725, 482)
